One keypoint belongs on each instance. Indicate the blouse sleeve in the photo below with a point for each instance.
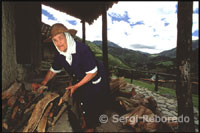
(88, 61)
(56, 66)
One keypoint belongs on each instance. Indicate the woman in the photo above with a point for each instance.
(79, 61)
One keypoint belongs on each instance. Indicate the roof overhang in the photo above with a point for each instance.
(85, 11)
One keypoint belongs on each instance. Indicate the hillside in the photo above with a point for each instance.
(172, 53)
(113, 61)
(127, 56)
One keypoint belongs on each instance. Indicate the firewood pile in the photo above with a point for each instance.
(142, 112)
(25, 110)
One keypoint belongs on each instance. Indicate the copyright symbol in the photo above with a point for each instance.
(103, 118)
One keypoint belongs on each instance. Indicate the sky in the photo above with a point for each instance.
(149, 27)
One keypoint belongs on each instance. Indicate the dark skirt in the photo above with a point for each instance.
(92, 99)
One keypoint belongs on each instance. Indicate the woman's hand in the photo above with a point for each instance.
(35, 86)
(72, 89)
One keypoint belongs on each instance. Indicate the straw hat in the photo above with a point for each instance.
(59, 28)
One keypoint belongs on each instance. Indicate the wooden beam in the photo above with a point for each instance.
(156, 82)
(184, 49)
(104, 37)
(83, 30)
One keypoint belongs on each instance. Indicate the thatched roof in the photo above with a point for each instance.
(88, 11)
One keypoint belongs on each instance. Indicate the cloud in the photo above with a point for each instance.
(156, 35)
(166, 24)
(140, 46)
(118, 17)
(73, 22)
(50, 16)
(176, 8)
(196, 11)
(196, 33)
(196, 7)
(150, 29)
(154, 29)
(163, 19)
(61, 17)
(137, 23)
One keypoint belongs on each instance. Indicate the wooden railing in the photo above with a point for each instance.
(148, 76)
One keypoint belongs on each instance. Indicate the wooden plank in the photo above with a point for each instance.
(29, 109)
(11, 91)
(42, 124)
(38, 111)
(59, 114)
(11, 101)
(14, 112)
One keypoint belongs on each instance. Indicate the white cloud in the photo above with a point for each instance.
(150, 13)
(62, 18)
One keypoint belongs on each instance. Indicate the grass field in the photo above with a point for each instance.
(162, 90)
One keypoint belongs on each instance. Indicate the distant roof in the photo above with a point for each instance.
(88, 11)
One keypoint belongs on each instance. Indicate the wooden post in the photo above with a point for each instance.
(184, 49)
(104, 37)
(131, 76)
(156, 82)
(83, 30)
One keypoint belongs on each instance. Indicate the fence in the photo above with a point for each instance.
(158, 78)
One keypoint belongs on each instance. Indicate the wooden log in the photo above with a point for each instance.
(148, 112)
(38, 111)
(42, 124)
(131, 102)
(65, 97)
(41, 89)
(140, 126)
(14, 112)
(134, 118)
(126, 106)
(151, 126)
(172, 124)
(21, 99)
(3, 106)
(128, 115)
(124, 93)
(127, 86)
(29, 109)
(7, 117)
(59, 114)
(11, 91)
(116, 83)
(11, 101)
(23, 121)
(138, 96)
(151, 104)
(51, 114)
(5, 125)
(122, 84)
(37, 97)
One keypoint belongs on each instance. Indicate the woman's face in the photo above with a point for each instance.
(60, 41)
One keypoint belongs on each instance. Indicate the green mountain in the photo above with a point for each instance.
(97, 51)
(172, 53)
(127, 56)
(99, 43)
